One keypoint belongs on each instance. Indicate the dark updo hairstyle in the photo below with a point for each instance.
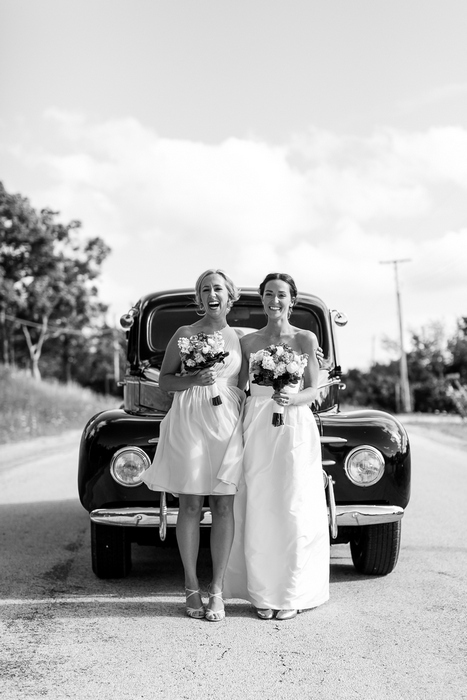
(280, 276)
(232, 290)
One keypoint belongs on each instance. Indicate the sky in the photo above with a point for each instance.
(320, 138)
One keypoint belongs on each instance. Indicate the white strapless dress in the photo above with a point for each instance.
(280, 556)
(200, 445)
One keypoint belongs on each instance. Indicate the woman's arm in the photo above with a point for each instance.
(244, 370)
(171, 366)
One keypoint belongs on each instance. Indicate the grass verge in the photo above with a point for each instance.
(439, 425)
(29, 408)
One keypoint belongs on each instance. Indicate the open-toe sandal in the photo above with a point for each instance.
(210, 614)
(196, 613)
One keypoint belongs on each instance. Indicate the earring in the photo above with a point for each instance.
(290, 311)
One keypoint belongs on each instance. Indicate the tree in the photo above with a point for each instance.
(427, 362)
(431, 360)
(376, 388)
(95, 361)
(48, 274)
(457, 347)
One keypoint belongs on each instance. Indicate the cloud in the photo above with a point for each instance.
(327, 208)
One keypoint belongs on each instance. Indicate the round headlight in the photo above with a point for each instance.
(128, 464)
(364, 465)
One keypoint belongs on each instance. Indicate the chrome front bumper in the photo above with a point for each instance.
(353, 515)
(357, 516)
(140, 517)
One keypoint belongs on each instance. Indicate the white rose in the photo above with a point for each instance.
(280, 350)
(268, 362)
(184, 344)
(293, 367)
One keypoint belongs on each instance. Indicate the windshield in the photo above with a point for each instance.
(164, 321)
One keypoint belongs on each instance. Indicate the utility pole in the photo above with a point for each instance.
(404, 376)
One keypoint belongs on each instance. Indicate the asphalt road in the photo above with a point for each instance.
(66, 634)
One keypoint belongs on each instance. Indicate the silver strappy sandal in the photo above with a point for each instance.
(210, 614)
(196, 613)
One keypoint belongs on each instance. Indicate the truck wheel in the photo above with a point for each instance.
(110, 551)
(375, 548)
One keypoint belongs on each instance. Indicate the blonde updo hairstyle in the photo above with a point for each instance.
(232, 289)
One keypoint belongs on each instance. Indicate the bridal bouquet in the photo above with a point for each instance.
(280, 367)
(201, 351)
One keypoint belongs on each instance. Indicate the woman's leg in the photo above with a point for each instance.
(222, 533)
(188, 541)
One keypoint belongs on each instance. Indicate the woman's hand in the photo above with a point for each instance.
(319, 355)
(205, 377)
(283, 399)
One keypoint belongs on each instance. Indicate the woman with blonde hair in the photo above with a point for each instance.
(200, 446)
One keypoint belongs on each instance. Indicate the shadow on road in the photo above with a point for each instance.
(47, 562)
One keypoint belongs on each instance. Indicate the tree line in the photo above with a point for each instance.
(437, 369)
(52, 321)
(51, 318)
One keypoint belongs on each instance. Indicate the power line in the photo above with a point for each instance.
(53, 327)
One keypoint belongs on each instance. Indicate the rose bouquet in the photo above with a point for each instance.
(201, 351)
(278, 366)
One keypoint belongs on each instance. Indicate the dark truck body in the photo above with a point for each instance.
(366, 454)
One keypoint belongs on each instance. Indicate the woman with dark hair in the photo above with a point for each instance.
(200, 447)
(280, 556)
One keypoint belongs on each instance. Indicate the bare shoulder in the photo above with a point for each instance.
(250, 341)
(185, 332)
(306, 339)
(246, 341)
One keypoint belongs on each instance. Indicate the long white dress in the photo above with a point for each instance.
(280, 556)
(200, 445)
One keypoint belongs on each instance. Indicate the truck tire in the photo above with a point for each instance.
(110, 551)
(375, 548)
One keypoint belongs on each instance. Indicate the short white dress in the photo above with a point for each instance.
(280, 556)
(200, 445)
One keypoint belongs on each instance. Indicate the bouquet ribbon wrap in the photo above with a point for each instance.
(278, 415)
(215, 397)
(220, 381)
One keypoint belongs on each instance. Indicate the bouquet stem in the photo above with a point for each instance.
(216, 399)
(278, 416)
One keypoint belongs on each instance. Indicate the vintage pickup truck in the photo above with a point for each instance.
(366, 453)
